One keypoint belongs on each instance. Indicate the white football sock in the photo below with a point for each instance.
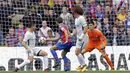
(81, 60)
(45, 59)
(24, 63)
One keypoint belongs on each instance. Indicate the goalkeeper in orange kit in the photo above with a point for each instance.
(97, 40)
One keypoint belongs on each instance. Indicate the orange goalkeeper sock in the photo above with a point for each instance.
(109, 62)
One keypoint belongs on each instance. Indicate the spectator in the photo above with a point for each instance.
(67, 18)
(106, 29)
(1, 38)
(32, 16)
(20, 33)
(116, 23)
(121, 23)
(70, 4)
(35, 17)
(42, 6)
(53, 15)
(11, 39)
(46, 14)
(99, 13)
(31, 3)
(43, 2)
(79, 2)
(91, 9)
(128, 21)
(98, 25)
(111, 15)
(60, 2)
(49, 16)
(99, 16)
(127, 38)
(51, 35)
(122, 15)
(6, 13)
(40, 9)
(18, 3)
(121, 34)
(43, 31)
(114, 36)
(21, 30)
(118, 4)
(58, 7)
(103, 2)
(106, 26)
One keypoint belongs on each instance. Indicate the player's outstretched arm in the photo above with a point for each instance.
(85, 28)
(102, 37)
(54, 39)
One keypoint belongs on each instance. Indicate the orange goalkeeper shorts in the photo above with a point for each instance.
(95, 45)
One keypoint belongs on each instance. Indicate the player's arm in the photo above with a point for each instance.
(54, 39)
(84, 32)
(102, 37)
(85, 28)
(126, 5)
(25, 45)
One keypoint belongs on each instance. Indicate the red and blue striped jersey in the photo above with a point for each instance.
(62, 34)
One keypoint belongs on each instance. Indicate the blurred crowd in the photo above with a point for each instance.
(112, 17)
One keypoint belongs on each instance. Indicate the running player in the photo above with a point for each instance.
(29, 44)
(97, 40)
(81, 28)
(64, 43)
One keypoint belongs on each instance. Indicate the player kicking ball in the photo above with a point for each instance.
(64, 43)
(29, 44)
(97, 40)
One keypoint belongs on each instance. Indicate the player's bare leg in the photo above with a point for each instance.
(29, 60)
(45, 59)
(53, 51)
(80, 59)
(103, 52)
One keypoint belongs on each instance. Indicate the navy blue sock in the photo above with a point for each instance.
(55, 55)
(66, 60)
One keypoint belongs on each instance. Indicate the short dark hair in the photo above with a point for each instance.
(91, 22)
(78, 10)
(31, 24)
(59, 20)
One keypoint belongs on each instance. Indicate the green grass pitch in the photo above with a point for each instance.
(69, 72)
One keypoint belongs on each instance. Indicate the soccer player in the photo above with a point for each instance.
(97, 40)
(64, 43)
(81, 28)
(29, 44)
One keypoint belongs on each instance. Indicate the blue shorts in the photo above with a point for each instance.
(66, 47)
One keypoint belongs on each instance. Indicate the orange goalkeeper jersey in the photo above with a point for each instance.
(96, 36)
